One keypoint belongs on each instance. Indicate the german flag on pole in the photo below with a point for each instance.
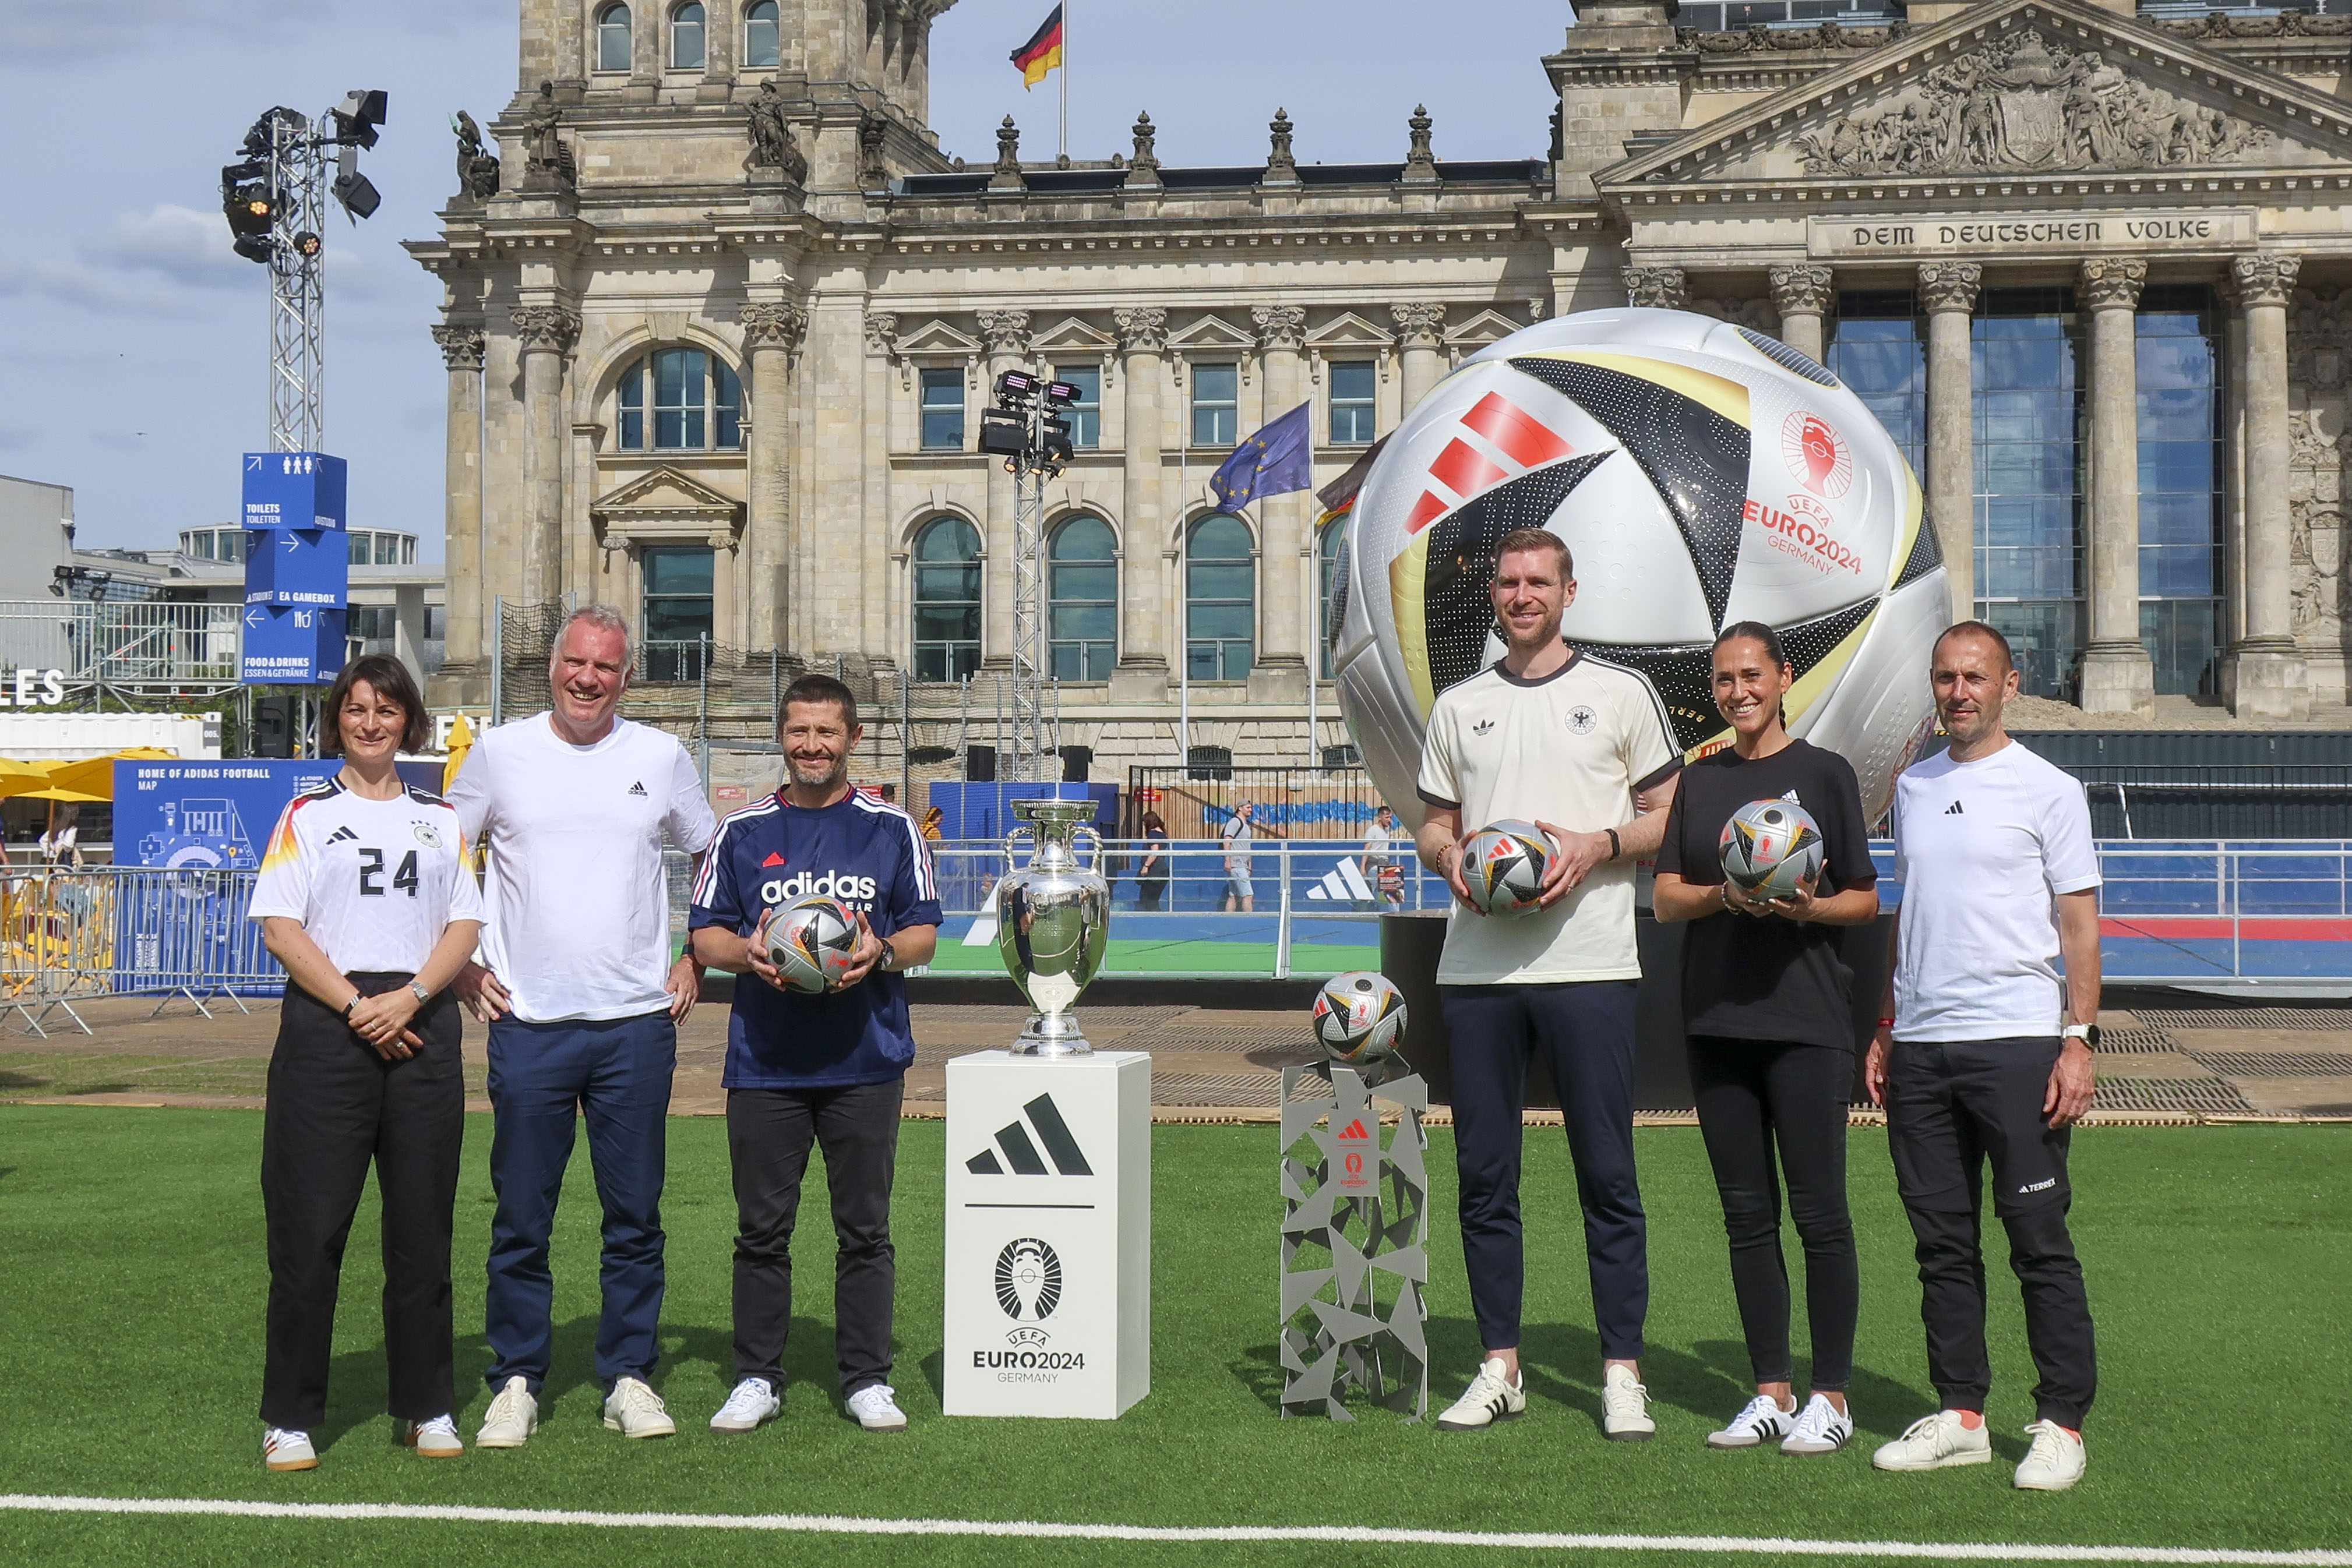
(1041, 53)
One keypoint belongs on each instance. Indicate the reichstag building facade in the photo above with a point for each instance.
(721, 316)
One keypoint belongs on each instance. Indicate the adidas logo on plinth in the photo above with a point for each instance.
(1020, 1151)
(1345, 884)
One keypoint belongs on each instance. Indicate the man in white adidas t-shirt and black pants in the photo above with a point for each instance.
(2001, 880)
(582, 1000)
(1581, 749)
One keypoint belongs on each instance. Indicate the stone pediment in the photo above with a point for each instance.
(936, 337)
(1349, 331)
(2009, 89)
(667, 507)
(1072, 336)
(1212, 334)
(1485, 328)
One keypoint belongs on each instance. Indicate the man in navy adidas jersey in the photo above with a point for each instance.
(827, 1070)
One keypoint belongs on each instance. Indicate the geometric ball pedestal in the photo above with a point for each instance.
(1048, 1235)
(1355, 1244)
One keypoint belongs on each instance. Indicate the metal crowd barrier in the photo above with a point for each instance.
(129, 931)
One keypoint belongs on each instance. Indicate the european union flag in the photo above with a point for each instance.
(1273, 462)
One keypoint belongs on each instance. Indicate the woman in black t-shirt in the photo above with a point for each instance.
(1767, 1003)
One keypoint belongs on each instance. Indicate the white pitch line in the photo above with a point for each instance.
(1031, 1530)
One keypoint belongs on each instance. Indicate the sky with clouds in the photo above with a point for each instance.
(134, 343)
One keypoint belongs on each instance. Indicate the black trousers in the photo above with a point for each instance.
(1952, 1107)
(334, 1105)
(769, 1132)
(1585, 1030)
(1758, 1099)
(1150, 890)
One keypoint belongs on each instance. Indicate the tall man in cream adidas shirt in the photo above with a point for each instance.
(1581, 749)
(583, 996)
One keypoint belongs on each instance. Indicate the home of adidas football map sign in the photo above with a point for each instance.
(1048, 1234)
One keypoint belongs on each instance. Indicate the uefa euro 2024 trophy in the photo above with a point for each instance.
(1053, 916)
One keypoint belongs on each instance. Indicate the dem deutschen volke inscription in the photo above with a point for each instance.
(1979, 236)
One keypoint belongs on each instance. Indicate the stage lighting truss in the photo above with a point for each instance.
(275, 200)
(1026, 429)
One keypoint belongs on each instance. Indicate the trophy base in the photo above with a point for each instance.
(1052, 1034)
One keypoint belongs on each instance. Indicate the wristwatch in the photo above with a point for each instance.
(423, 996)
(2088, 1034)
(889, 960)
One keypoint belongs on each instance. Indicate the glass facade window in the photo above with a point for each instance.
(1353, 406)
(2026, 346)
(1082, 600)
(1220, 599)
(362, 548)
(1878, 347)
(763, 39)
(231, 544)
(1216, 404)
(612, 38)
(1326, 577)
(2180, 501)
(947, 600)
(1085, 413)
(677, 603)
(686, 32)
(943, 410)
(686, 399)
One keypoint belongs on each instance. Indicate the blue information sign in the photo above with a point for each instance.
(290, 645)
(294, 490)
(298, 566)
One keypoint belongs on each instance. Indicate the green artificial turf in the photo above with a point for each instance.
(131, 1261)
(1127, 958)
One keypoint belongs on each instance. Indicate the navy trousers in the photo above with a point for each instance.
(1585, 1032)
(543, 1076)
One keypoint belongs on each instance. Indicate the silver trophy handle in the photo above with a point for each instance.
(1025, 829)
(1091, 841)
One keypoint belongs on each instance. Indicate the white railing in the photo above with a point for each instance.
(130, 643)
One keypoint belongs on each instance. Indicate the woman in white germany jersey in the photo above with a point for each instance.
(365, 898)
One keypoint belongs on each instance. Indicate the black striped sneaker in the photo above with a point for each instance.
(1491, 1397)
(1822, 1428)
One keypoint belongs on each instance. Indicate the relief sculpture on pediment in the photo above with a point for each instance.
(2024, 104)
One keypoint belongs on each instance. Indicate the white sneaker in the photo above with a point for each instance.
(1491, 1397)
(751, 1403)
(1625, 1407)
(434, 1439)
(1820, 1428)
(875, 1405)
(511, 1419)
(1934, 1442)
(2055, 1461)
(1760, 1421)
(633, 1410)
(283, 1450)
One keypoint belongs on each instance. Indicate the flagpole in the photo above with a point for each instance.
(1065, 78)
(1314, 588)
(1183, 577)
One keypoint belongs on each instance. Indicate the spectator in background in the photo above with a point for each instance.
(932, 824)
(1381, 874)
(1152, 875)
(1239, 894)
(61, 841)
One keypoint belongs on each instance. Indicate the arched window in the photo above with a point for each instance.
(1220, 599)
(763, 39)
(686, 27)
(947, 600)
(612, 38)
(1330, 602)
(1082, 600)
(680, 399)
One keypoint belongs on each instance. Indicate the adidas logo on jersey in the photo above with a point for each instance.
(636, 790)
(343, 835)
(773, 859)
(1482, 727)
(1953, 809)
(832, 884)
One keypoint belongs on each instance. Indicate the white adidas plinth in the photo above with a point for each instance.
(1048, 1235)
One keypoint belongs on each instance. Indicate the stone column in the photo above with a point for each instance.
(461, 350)
(1142, 674)
(2271, 681)
(1656, 288)
(547, 332)
(1802, 295)
(876, 640)
(1947, 292)
(2117, 675)
(1006, 335)
(1282, 616)
(772, 332)
(1421, 334)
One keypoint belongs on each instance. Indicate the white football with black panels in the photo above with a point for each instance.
(1701, 473)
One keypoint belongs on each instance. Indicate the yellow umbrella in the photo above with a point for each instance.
(461, 741)
(91, 778)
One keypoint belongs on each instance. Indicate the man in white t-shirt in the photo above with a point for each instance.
(582, 998)
(1239, 894)
(2001, 880)
(1381, 873)
(1583, 749)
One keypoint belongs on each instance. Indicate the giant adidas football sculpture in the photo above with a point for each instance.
(1702, 473)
